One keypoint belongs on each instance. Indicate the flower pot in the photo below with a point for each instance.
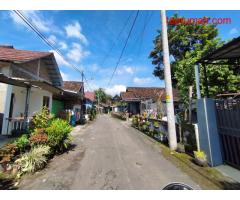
(180, 148)
(201, 162)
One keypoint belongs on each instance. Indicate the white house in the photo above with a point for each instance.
(28, 80)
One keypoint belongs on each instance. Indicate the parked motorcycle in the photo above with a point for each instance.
(177, 186)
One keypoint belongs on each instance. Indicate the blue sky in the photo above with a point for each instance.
(85, 38)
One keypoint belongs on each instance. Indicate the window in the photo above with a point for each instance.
(46, 101)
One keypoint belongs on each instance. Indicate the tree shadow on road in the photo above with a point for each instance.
(6, 182)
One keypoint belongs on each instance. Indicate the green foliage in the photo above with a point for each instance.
(33, 160)
(187, 44)
(156, 124)
(159, 115)
(22, 142)
(101, 95)
(93, 113)
(121, 103)
(58, 134)
(42, 119)
(135, 120)
(148, 123)
(200, 154)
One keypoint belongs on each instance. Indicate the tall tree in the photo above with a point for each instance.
(103, 97)
(188, 43)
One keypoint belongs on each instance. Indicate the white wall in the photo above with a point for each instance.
(35, 103)
(5, 98)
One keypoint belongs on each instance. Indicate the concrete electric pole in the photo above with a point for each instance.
(82, 101)
(168, 85)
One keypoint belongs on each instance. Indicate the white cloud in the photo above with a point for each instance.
(64, 76)
(63, 45)
(116, 89)
(59, 59)
(233, 31)
(52, 39)
(75, 30)
(125, 70)
(77, 53)
(35, 17)
(142, 81)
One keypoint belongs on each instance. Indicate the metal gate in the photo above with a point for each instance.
(228, 119)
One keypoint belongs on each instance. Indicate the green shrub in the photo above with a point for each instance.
(59, 134)
(33, 160)
(41, 120)
(148, 123)
(93, 113)
(135, 120)
(156, 124)
(22, 142)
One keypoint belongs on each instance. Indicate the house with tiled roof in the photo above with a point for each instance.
(72, 99)
(90, 99)
(28, 80)
(141, 99)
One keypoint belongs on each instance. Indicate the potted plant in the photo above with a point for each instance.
(156, 128)
(151, 132)
(147, 123)
(200, 158)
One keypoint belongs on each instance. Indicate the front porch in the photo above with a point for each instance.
(22, 99)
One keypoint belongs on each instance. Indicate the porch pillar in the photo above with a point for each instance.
(25, 124)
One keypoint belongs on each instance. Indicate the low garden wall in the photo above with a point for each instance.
(158, 129)
(119, 115)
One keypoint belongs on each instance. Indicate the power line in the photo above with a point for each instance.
(147, 20)
(49, 43)
(124, 47)
(141, 35)
(118, 36)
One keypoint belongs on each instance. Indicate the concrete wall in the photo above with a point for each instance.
(208, 133)
(35, 103)
(5, 97)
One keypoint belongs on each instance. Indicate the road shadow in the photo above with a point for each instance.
(7, 183)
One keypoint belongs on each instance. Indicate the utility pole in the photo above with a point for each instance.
(82, 100)
(98, 103)
(168, 85)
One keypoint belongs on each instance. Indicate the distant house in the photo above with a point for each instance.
(117, 104)
(28, 80)
(71, 99)
(146, 99)
(89, 99)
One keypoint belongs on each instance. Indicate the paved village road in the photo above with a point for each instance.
(108, 154)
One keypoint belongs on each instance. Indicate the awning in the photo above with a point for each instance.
(10, 81)
(30, 83)
(228, 54)
(230, 50)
